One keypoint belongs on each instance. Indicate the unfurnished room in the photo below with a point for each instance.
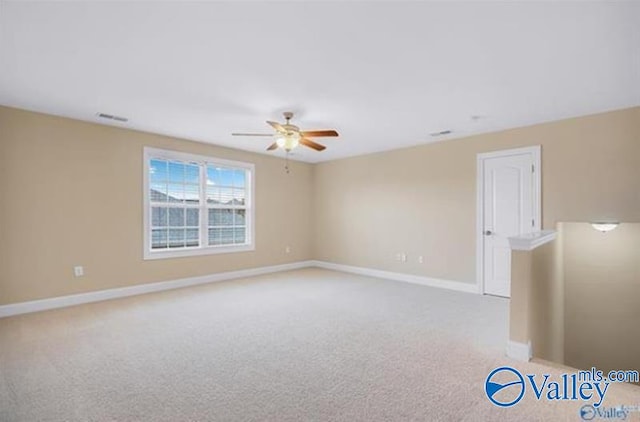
(319, 211)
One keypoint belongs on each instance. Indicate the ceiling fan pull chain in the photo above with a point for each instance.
(286, 162)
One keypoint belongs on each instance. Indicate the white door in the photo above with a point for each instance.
(509, 195)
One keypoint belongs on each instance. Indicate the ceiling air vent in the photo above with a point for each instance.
(112, 117)
(441, 133)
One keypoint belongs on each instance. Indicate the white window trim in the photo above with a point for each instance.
(150, 254)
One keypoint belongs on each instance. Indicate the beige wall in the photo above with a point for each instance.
(71, 194)
(422, 200)
(520, 303)
(536, 309)
(602, 282)
(547, 299)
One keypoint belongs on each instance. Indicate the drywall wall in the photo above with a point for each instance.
(422, 200)
(71, 194)
(602, 289)
(536, 308)
(546, 309)
(520, 303)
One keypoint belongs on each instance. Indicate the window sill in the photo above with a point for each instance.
(211, 250)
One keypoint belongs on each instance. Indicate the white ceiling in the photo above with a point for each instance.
(384, 74)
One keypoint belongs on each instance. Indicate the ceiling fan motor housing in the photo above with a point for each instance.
(288, 115)
(291, 128)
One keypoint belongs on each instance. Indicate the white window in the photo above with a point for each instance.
(196, 205)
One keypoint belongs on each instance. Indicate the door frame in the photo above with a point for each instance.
(535, 150)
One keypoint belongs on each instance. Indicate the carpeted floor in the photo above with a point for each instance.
(307, 345)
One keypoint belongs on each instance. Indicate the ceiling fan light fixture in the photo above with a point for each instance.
(288, 141)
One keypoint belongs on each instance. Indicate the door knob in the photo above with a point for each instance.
(488, 232)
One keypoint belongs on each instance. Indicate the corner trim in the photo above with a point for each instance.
(100, 295)
(530, 241)
(406, 278)
(519, 351)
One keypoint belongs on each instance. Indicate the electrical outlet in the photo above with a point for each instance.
(404, 257)
(421, 259)
(287, 249)
(398, 256)
(78, 271)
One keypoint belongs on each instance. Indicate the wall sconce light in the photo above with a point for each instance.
(604, 227)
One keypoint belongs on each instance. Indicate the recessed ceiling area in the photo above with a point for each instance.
(386, 75)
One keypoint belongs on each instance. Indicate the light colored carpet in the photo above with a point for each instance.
(308, 345)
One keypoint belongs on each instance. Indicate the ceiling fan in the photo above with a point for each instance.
(289, 136)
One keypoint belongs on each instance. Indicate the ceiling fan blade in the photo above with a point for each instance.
(313, 145)
(277, 126)
(272, 146)
(252, 134)
(319, 133)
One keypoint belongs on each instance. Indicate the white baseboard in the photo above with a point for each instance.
(519, 351)
(89, 297)
(407, 278)
(77, 299)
